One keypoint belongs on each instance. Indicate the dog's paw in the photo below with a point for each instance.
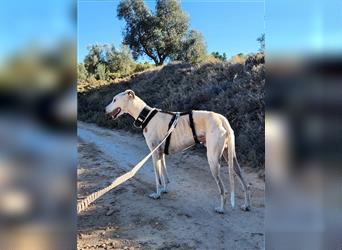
(245, 208)
(163, 190)
(154, 196)
(219, 210)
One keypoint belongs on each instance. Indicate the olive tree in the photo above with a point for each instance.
(158, 35)
(94, 57)
(193, 49)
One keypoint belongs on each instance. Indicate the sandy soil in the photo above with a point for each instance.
(184, 218)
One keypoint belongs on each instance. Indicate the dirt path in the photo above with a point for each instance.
(184, 218)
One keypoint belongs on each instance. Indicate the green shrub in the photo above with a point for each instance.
(193, 49)
(217, 55)
(82, 73)
(120, 61)
(139, 67)
(101, 72)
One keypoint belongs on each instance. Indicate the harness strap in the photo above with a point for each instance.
(192, 126)
(147, 114)
(173, 113)
(167, 142)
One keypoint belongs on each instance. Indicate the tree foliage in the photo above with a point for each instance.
(105, 61)
(158, 35)
(261, 40)
(82, 73)
(239, 58)
(193, 49)
(101, 72)
(93, 58)
(119, 61)
(217, 55)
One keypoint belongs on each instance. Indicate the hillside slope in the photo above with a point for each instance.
(234, 90)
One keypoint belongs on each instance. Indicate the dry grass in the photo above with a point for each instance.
(235, 90)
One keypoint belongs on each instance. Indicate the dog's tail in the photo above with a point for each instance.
(231, 156)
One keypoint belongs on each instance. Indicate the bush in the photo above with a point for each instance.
(217, 55)
(82, 73)
(212, 59)
(239, 58)
(92, 79)
(193, 50)
(101, 72)
(120, 61)
(139, 67)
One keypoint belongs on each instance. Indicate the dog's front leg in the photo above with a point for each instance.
(164, 177)
(157, 167)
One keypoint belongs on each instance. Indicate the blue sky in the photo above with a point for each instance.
(230, 26)
(303, 27)
(38, 22)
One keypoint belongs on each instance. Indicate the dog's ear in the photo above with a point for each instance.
(130, 93)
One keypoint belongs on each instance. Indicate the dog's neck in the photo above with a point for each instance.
(135, 107)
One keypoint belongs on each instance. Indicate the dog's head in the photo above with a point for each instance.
(119, 104)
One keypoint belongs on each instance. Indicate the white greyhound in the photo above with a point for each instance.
(212, 129)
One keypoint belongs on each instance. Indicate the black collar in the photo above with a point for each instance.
(144, 117)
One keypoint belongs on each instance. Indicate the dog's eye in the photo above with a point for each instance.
(114, 100)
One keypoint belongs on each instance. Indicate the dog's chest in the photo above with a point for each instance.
(181, 138)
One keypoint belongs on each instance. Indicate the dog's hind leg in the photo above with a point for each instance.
(215, 146)
(164, 177)
(237, 170)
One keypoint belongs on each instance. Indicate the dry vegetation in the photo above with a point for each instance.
(235, 90)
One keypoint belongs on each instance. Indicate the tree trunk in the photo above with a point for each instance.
(161, 58)
(160, 63)
(150, 55)
(156, 62)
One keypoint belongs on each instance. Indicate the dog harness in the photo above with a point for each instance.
(148, 113)
(191, 123)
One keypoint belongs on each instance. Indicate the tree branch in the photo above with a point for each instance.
(146, 50)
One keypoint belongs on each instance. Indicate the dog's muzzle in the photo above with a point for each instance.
(114, 114)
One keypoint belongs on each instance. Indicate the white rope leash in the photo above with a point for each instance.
(83, 204)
